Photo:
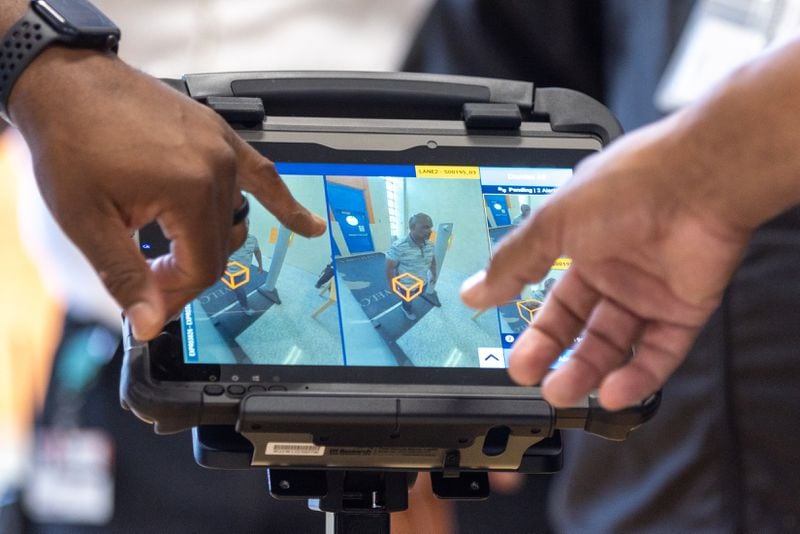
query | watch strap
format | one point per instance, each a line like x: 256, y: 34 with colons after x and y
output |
x: 18, y: 48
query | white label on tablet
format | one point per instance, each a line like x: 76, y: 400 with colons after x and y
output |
x: 295, y: 449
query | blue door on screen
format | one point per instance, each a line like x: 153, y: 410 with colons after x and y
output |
x: 350, y: 210
x: 499, y: 208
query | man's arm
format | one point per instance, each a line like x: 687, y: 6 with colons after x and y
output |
x: 115, y: 149
x: 433, y: 270
x: 655, y: 225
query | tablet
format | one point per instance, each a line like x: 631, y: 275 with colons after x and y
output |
x: 354, y: 349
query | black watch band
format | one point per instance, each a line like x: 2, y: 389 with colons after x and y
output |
x: 73, y: 23
x: 23, y: 42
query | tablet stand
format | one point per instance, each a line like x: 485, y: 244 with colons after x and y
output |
x: 359, y: 502
x: 355, y: 502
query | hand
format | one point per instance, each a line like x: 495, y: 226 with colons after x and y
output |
x: 651, y: 258
x: 114, y: 149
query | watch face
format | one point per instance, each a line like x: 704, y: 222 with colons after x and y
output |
x: 81, y: 15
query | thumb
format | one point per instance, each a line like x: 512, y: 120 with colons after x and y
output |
x: 126, y: 275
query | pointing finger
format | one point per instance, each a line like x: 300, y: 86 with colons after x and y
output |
x: 258, y: 176
x: 522, y: 258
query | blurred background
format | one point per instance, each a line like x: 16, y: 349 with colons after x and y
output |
x: 59, y: 329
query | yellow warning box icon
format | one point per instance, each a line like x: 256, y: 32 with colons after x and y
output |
x: 235, y: 275
x: 407, y: 286
x: 527, y: 308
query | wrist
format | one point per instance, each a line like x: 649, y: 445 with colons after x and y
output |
x: 58, y: 79
x: 11, y: 12
x: 45, y: 25
x: 740, y: 141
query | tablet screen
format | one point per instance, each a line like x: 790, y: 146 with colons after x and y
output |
x: 381, y: 287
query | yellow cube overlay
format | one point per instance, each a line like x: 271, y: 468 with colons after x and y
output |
x: 527, y: 309
x: 235, y: 275
x: 407, y: 286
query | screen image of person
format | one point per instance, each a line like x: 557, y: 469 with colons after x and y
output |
x: 524, y: 213
x: 405, y: 244
x: 263, y: 310
x: 411, y: 257
x: 242, y: 259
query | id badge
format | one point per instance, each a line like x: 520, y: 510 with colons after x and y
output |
x: 720, y: 36
x: 71, y: 478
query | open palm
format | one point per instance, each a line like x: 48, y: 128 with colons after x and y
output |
x: 649, y: 266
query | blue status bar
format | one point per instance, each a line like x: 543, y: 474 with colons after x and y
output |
x: 346, y: 169
x: 509, y: 177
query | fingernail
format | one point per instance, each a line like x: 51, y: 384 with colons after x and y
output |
x: 307, y: 223
x: 472, y: 287
x: 322, y: 225
x: 144, y: 320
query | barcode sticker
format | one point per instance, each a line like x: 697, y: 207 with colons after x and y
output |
x: 295, y: 449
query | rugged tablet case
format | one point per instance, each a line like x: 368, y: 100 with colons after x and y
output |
x: 463, y: 428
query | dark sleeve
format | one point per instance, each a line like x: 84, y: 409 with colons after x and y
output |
x: 549, y: 42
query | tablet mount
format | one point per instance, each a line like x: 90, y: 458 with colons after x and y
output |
x: 359, y: 502
x: 359, y: 497
x: 362, y: 501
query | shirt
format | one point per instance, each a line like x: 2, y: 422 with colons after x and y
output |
x: 244, y: 254
x: 411, y: 257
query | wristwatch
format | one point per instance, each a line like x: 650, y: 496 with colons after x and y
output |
x: 73, y: 23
